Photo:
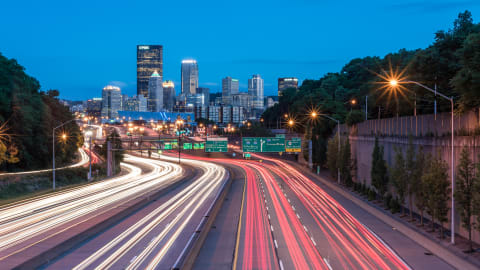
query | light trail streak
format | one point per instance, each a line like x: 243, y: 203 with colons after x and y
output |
x: 84, y: 158
x: 182, y: 207
x: 32, y: 221
x: 355, y: 245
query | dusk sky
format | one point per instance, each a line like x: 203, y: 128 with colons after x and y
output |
x: 79, y: 48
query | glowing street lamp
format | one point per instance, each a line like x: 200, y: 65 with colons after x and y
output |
x: 64, y: 137
x: 395, y: 84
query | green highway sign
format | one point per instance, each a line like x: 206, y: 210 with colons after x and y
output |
x: 216, y: 145
x: 167, y: 146
x: 197, y: 146
x: 187, y: 146
x: 251, y: 145
x: 293, y: 145
x: 280, y: 136
x: 248, y: 155
x: 263, y: 144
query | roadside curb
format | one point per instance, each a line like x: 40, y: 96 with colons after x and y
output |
x: 86, y: 233
x: 436, y: 248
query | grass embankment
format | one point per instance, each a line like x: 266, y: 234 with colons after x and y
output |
x: 18, y: 187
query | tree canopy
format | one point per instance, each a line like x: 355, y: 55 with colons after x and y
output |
x: 30, y: 115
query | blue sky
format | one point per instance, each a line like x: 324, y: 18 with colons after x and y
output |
x: 80, y: 47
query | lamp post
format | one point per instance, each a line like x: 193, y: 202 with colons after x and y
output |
x: 89, y: 134
x: 394, y: 84
x: 64, y: 136
x: 179, y: 123
x: 314, y: 115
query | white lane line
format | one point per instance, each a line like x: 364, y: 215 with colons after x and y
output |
x: 328, y: 264
x: 276, y: 245
x: 268, y: 216
x: 288, y: 199
x: 281, y: 265
x: 271, y: 227
x: 298, y: 216
x: 293, y: 207
x: 265, y: 201
x: 305, y: 228
x: 267, y: 208
x: 313, y: 241
x: 133, y: 259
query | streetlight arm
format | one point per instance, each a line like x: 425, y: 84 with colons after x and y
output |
x: 430, y: 89
x: 331, y: 118
x: 64, y: 123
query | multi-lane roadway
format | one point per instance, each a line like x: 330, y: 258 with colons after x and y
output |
x: 285, y: 220
x: 29, y: 227
x: 157, y: 236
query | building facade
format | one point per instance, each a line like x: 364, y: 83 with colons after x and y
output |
x: 255, y: 89
x: 94, y: 107
x: 137, y: 103
x: 230, y: 87
x: 149, y: 59
x: 189, y: 76
x: 111, y: 101
x: 168, y: 95
x: 206, y: 95
x: 155, y: 93
x: 285, y: 83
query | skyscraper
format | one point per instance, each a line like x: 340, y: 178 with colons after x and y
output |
x: 229, y: 87
x: 255, y: 89
x: 111, y: 101
x: 149, y: 59
x: 189, y: 76
x: 155, y: 93
x: 206, y: 95
x: 168, y: 95
x: 285, y: 83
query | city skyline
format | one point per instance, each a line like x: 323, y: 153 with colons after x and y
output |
x: 314, y: 41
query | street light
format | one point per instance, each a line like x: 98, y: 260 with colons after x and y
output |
x: 395, y: 83
x: 64, y: 137
x: 89, y: 135
x: 179, y: 123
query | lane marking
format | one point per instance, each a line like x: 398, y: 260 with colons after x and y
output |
x: 271, y: 227
x: 313, y: 241
x: 293, y: 207
x: 328, y: 264
x: 276, y: 245
x: 281, y: 265
x: 305, y: 228
x: 298, y: 216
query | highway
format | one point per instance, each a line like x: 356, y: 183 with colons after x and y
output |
x: 157, y: 236
x: 29, y: 225
x: 287, y: 221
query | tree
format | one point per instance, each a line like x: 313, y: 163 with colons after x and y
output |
x: 399, y: 177
x: 437, y: 191
x: 8, y: 154
x: 379, y: 169
x: 116, y: 144
x: 332, y: 156
x: 32, y: 115
x: 354, y: 117
x: 465, y: 187
x: 411, y: 176
x: 345, y: 163
x: 467, y: 80
x: 419, y: 187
